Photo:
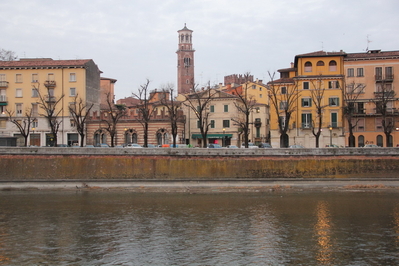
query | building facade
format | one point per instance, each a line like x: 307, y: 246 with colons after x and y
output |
x: 24, y: 82
x: 371, y: 77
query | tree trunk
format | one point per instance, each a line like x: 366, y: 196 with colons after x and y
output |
x: 284, y: 140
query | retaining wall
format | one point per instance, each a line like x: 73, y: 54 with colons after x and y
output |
x: 202, y: 164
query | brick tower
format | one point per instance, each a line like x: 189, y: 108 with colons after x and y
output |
x: 185, y: 61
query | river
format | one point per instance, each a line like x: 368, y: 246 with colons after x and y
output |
x: 125, y: 228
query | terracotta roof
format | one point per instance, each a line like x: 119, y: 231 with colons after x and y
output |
x: 321, y: 53
x: 44, y: 62
x: 372, y: 54
x: 185, y: 28
x: 283, y: 80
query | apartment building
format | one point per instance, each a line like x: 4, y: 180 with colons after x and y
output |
x: 24, y: 82
x: 370, y: 76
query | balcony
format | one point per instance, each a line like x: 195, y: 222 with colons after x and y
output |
x: 49, y: 99
x: 384, y: 94
x: 3, y: 84
x: 257, y: 124
x: 49, y: 84
x: 387, y: 77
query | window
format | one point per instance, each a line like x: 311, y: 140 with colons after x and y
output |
x: 254, y: 87
x: 50, y: 77
x: 187, y: 62
x: 18, y: 108
x: 333, y: 101
x: 212, y: 123
x: 334, y: 120
x: 283, y: 90
x: 18, y: 93
x: 388, y: 73
x: 359, y: 72
x: 281, y: 120
x: 359, y: 122
x: 351, y: 72
x: 320, y: 63
x: 226, y: 123
x: 260, y: 95
x: 212, y: 109
x: 198, y: 109
x: 306, y: 120
x: 198, y: 124
x: 308, y: 67
x: 35, y: 109
x: 332, y: 66
x: 306, y: 102
x: 2, y: 77
x: 18, y: 78
x: 333, y: 84
x: 72, y: 77
x: 226, y: 108
x: 283, y: 105
x: 378, y: 124
x: 72, y: 92
x: 378, y: 73
x: 306, y: 85
x: 35, y: 78
x: 35, y: 124
x: 35, y: 93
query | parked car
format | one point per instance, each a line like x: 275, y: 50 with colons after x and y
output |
x: 89, y: 146
x: 371, y: 146
x: 151, y: 146
x: 296, y: 146
x: 133, y: 145
x: 214, y: 146
x: 62, y: 145
x: 250, y: 146
x: 232, y: 147
x: 265, y: 145
x: 103, y: 145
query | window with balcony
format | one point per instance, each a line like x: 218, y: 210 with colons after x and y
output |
x: 308, y: 67
x: 306, y: 120
x: 378, y: 73
x: 388, y: 72
x: 360, y: 72
x: 306, y: 102
x: 332, y: 66
x: 350, y: 72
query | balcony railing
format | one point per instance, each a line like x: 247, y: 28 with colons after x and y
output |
x: 49, y: 99
x: 50, y: 84
x: 384, y: 94
x: 388, y: 77
x: 3, y: 84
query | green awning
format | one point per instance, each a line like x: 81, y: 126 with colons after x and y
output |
x: 3, y: 103
x: 212, y: 136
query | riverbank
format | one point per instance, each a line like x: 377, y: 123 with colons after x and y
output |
x: 209, y: 186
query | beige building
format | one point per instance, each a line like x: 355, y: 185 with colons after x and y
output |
x: 22, y: 81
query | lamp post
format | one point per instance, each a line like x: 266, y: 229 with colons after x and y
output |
x: 330, y: 128
x: 224, y: 140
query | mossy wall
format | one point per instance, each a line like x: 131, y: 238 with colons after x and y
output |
x: 55, y: 167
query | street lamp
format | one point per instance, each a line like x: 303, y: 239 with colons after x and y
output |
x: 224, y: 140
x: 330, y: 128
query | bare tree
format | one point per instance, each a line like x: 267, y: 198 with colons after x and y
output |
x: 245, y: 105
x: 173, y: 107
x: 284, y: 102
x: 145, y: 108
x: 7, y: 55
x: 198, y: 102
x: 49, y: 104
x: 383, y: 100
x: 317, y: 94
x: 80, y: 113
x: 114, y: 113
x: 351, y: 93
x: 23, y: 124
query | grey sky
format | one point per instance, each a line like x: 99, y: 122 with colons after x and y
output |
x: 135, y: 40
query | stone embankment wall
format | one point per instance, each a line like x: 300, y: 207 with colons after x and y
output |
x: 198, y: 164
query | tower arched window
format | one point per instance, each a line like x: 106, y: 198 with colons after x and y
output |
x: 308, y: 66
x: 187, y: 62
x: 182, y: 38
x: 332, y: 65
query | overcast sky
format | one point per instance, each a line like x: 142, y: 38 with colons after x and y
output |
x: 134, y: 40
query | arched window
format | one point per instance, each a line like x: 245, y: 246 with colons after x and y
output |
x: 320, y: 63
x: 99, y: 137
x: 130, y: 136
x: 162, y: 136
x: 360, y: 141
x: 332, y: 65
x: 308, y: 67
x: 380, y: 140
x: 390, y: 144
x: 182, y: 38
x: 187, y: 62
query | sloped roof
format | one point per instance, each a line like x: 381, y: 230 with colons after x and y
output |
x: 44, y: 62
x: 321, y: 53
x: 185, y: 28
x: 372, y: 54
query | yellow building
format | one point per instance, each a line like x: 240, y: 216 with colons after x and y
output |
x: 311, y: 89
x: 373, y: 70
x: 21, y: 84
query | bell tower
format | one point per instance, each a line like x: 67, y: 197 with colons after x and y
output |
x: 185, y: 61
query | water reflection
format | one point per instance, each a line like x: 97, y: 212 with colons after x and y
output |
x: 122, y: 228
x: 323, y: 228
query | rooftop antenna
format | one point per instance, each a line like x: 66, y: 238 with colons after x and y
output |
x: 368, y: 42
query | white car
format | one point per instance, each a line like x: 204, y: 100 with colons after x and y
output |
x: 133, y: 145
x: 250, y: 146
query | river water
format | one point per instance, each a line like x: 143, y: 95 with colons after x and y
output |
x: 125, y: 228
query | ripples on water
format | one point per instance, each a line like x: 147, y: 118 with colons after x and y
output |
x: 122, y: 228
